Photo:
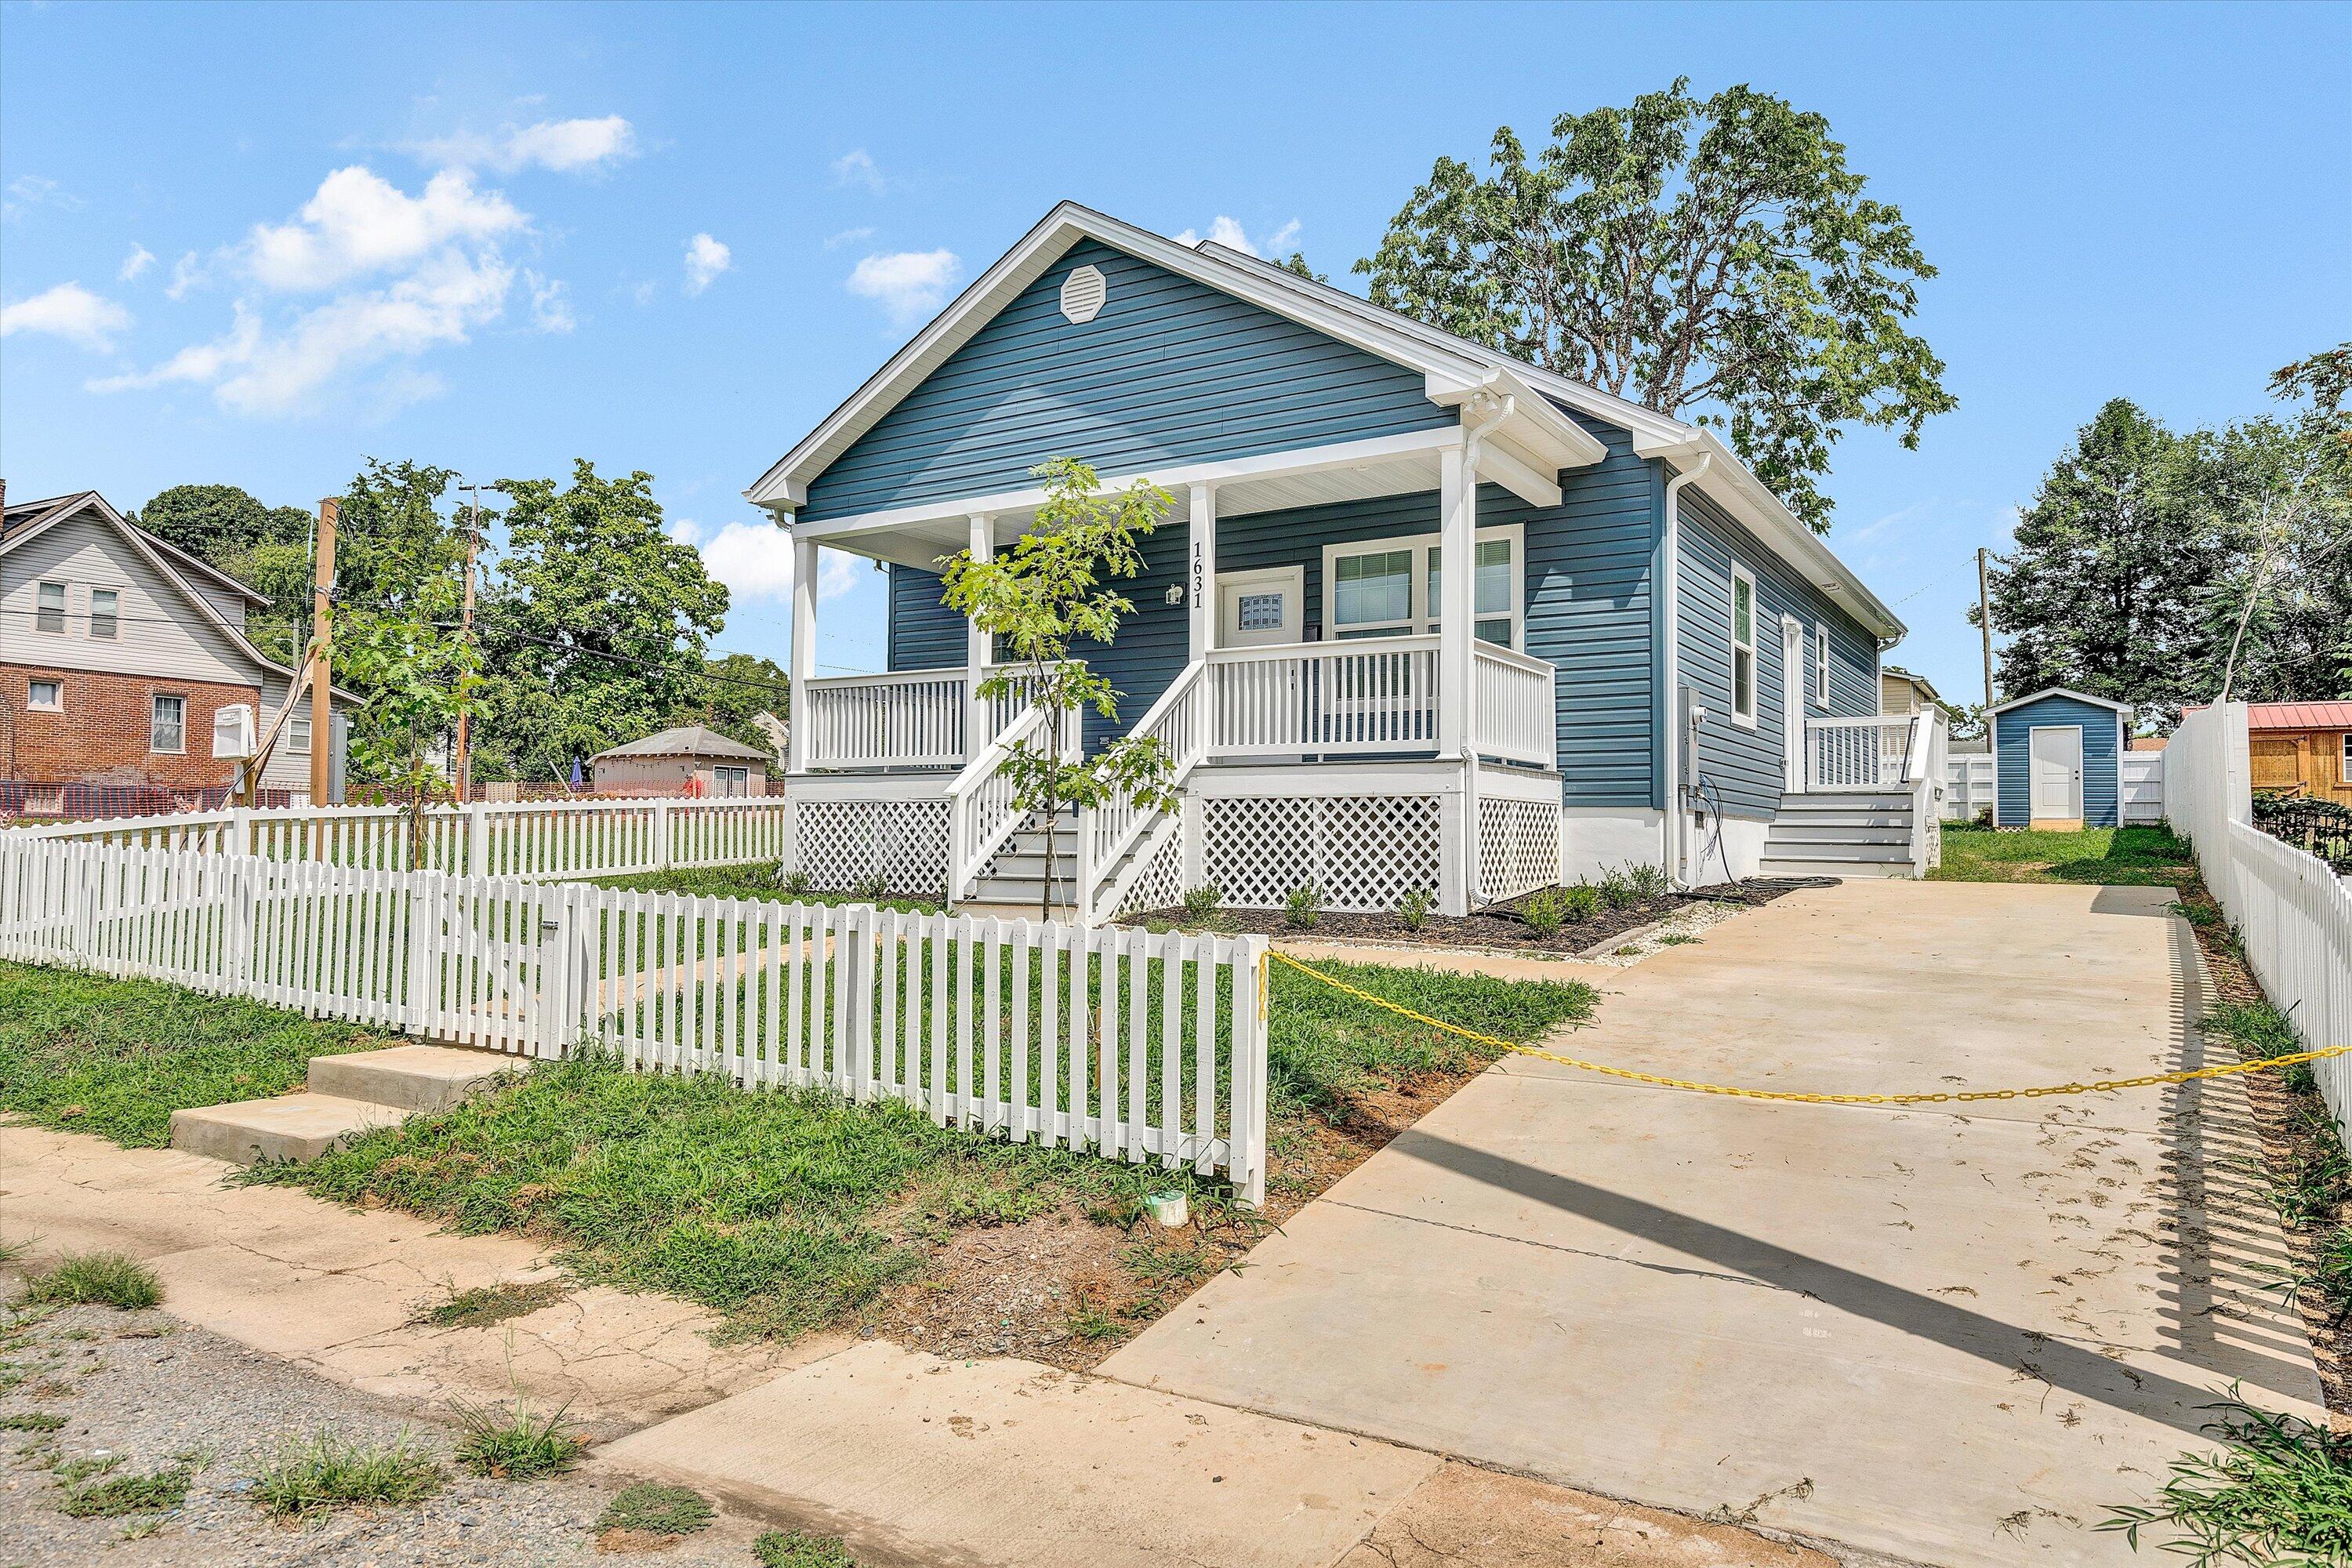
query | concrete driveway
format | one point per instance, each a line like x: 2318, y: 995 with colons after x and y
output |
x: 1955, y: 1335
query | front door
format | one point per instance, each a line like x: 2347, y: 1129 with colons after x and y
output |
x: 1792, y: 704
x: 2056, y: 756
x: 1255, y: 608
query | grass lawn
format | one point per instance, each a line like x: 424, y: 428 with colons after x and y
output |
x: 116, y: 1057
x: 755, y: 881
x: 2137, y: 856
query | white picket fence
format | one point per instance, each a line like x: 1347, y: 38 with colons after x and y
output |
x: 1141, y: 1048
x: 548, y: 840
x: 2292, y: 911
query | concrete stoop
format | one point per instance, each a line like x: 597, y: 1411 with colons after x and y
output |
x: 346, y: 1095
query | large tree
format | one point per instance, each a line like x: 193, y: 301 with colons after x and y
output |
x: 594, y: 627
x: 1717, y: 260
x: 2101, y: 590
x: 737, y: 688
x: 266, y: 547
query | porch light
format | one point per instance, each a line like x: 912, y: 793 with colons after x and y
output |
x: 1174, y: 595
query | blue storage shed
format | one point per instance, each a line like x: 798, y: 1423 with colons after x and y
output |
x: 2056, y: 756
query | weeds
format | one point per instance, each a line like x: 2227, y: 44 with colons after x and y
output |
x: 488, y: 1306
x: 655, y: 1510
x: 32, y: 1421
x: 781, y: 1549
x: 159, y: 1493
x: 311, y: 1475
x: 96, y: 1280
x: 2280, y: 1493
x: 513, y: 1445
x: 796, y: 883
x: 874, y: 889
x: 1302, y: 907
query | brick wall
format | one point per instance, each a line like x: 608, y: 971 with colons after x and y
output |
x: 102, y: 736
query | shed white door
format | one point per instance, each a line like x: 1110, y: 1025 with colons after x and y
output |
x: 2057, y: 778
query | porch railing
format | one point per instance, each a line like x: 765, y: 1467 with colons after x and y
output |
x: 912, y: 718
x: 1870, y: 752
x: 1511, y: 709
x: 1372, y: 695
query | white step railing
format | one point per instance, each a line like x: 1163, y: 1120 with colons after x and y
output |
x: 1872, y: 751
x: 981, y: 811
x: 911, y: 719
x: 1179, y: 721
x: 1512, y: 713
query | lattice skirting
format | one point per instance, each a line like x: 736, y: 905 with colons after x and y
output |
x: 1162, y: 881
x: 844, y: 843
x: 1362, y: 852
x: 1519, y: 847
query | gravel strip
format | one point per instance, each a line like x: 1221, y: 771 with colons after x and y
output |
x: 152, y: 1392
x: 1685, y: 925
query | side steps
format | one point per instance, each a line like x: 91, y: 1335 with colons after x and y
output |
x: 346, y: 1096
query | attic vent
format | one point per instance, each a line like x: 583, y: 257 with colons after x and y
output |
x: 1083, y: 292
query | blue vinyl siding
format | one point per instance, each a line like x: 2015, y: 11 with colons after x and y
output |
x: 2013, y: 758
x: 1744, y: 765
x: 924, y: 633
x: 1171, y: 371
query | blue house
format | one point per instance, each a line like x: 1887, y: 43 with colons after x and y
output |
x: 1422, y: 616
x: 2056, y: 760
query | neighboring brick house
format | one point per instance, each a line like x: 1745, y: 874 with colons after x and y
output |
x: 116, y: 652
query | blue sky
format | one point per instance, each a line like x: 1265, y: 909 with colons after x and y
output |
x: 254, y: 244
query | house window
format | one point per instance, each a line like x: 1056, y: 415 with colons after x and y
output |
x: 2345, y: 776
x: 730, y: 782
x: 1743, y: 648
x: 1393, y: 587
x: 46, y: 695
x: 102, y: 617
x: 297, y: 734
x: 1821, y: 666
x: 49, y: 608
x: 1258, y: 612
x: 168, y: 730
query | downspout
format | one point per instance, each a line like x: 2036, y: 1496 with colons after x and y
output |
x: 1672, y: 588
x: 1471, y: 436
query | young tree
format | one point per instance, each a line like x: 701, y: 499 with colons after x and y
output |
x: 1713, y: 260
x: 594, y: 627
x: 398, y: 585
x: 1037, y: 598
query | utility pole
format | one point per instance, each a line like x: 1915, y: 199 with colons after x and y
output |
x: 1984, y: 620
x: 322, y: 621
x: 464, y: 770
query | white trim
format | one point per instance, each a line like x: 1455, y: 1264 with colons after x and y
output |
x: 41, y: 587
x: 2344, y: 771
x: 1739, y: 575
x: 55, y: 683
x: 1422, y: 617
x: 2082, y: 774
x: 1819, y: 678
x: 2058, y: 691
x: 182, y: 749
x: 1291, y: 577
x: 1792, y: 704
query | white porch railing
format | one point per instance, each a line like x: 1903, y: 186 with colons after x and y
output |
x: 912, y: 718
x: 1511, y: 708
x: 1872, y: 751
x: 1180, y: 723
x: 1375, y: 694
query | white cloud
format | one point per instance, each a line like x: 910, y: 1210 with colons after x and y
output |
x: 26, y: 191
x: 858, y: 168
x: 645, y: 292
x: 847, y: 236
x: 561, y: 144
x: 69, y: 311
x: 1228, y: 232
x: 358, y: 222
x: 186, y: 273
x: 908, y: 284
x: 550, y: 303
x: 705, y: 258
x: 140, y: 259
x: 755, y: 559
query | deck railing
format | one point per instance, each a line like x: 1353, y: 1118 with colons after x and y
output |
x: 1371, y: 694
x: 1869, y: 753
x: 1511, y: 709
x: 912, y: 718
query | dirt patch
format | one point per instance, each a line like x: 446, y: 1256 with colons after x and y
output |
x: 1499, y: 926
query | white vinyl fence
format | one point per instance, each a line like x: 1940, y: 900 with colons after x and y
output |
x: 1140, y: 1048
x: 2292, y: 911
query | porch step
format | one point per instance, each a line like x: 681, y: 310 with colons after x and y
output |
x: 347, y: 1094
x: 1775, y: 867
x: 1813, y: 830
x: 1780, y: 849
x: 409, y: 1077
x: 1874, y: 800
x: 1865, y: 832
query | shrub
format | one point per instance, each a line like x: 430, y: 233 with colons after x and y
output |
x: 1413, y: 909
x: 515, y: 1445
x: 159, y: 1493
x: 796, y: 882
x: 779, y: 1549
x: 1303, y: 907
x: 311, y: 1475
x: 1203, y: 901
x: 873, y: 889
x: 1542, y: 911
x: 656, y: 1509
x: 1616, y: 888
x: 1648, y: 879
x: 96, y: 1280
x: 1580, y: 902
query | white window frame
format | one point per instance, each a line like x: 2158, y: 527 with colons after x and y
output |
x: 721, y: 776
x: 297, y: 734
x: 33, y: 704
x: 1426, y: 548
x: 1744, y: 718
x: 41, y: 611
x: 2344, y: 772
x: 154, y: 716
x: 1821, y: 664
x: 112, y: 616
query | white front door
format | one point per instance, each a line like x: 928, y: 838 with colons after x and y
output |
x: 1792, y: 704
x: 1255, y: 608
x: 2056, y: 756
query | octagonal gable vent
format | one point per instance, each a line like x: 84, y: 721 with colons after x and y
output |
x: 1083, y: 293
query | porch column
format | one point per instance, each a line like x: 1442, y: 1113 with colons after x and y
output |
x: 1458, y: 516
x: 977, y: 730
x: 803, y: 654
x: 1204, y: 585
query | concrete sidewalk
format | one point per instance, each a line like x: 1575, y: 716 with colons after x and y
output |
x: 1954, y: 1334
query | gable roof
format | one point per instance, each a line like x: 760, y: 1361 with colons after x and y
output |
x: 1921, y: 681
x: 685, y: 741
x: 1456, y: 371
x: 2123, y: 708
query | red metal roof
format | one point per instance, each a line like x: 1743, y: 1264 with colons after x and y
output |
x: 2299, y: 715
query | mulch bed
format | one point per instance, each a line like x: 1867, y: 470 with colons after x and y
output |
x: 1498, y: 926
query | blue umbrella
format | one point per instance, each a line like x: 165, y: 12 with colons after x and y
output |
x: 575, y: 772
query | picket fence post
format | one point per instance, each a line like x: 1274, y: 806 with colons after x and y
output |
x: 422, y: 917
x: 661, y: 835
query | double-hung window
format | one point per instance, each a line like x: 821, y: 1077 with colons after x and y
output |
x: 168, y: 730
x: 1743, y: 648
x: 1820, y: 665
x: 44, y: 696
x: 298, y: 735
x: 49, y: 608
x: 2345, y: 776
x: 1394, y: 587
x: 104, y: 618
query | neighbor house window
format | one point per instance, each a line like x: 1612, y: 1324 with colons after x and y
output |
x: 102, y: 617
x: 168, y: 730
x: 1394, y: 587
x: 2345, y: 776
x: 49, y: 608
x: 1743, y: 648
x: 297, y: 734
x: 46, y: 695
x: 1821, y: 667
x: 730, y: 781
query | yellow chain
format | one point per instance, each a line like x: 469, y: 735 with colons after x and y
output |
x: 1939, y: 1097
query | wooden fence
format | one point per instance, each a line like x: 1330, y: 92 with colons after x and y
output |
x: 1141, y: 1048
